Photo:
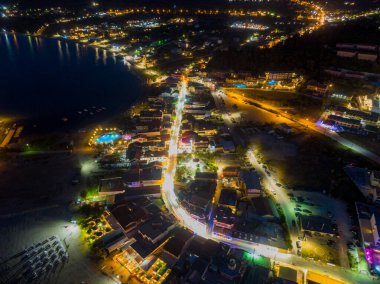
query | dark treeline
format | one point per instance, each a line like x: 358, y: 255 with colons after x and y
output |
x: 308, y: 54
x: 202, y: 4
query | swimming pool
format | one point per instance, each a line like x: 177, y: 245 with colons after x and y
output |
x: 242, y: 86
x: 107, y: 138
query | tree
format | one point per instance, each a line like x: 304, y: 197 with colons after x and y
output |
x: 241, y: 152
x: 181, y: 173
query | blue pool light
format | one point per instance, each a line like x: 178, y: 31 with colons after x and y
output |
x: 241, y: 86
x: 107, y: 138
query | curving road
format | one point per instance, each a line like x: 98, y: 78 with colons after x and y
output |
x: 184, y: 218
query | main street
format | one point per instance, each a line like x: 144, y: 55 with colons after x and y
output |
x: 184, y: 218
x: 168, y: 193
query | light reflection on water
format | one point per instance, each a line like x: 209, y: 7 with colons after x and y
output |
x: 40, y: 76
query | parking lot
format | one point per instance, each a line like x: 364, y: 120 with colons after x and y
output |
x: 327, y: 249
x: 21, y: 233
x: 40, y: 260
x: 320, y: 248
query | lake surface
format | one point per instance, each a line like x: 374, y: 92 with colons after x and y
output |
x: 56, y: 81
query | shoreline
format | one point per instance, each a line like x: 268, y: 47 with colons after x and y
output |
x: 78, y: 133
x: 59, y: 125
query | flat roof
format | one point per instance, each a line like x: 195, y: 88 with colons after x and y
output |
x: 203, y: 188
x: 224, y: 215
x: 139, y: 192
x: 109, y: 185
x: 143, y: 247
x: 112, y: 237
x: 151, y: 174
x: 251, y: 179
x: 206, y: 175
x: 128, y: 213
x: 365, y: 213
x: 204, y: 248
x: 231, y: 169
x: 343, y: 119
x: 360, y: 176
x: 147, y: 113
x: 154, y: 227
x: 176, y: 243
x: 227, y: 144
x: 228, y: 197
x: 262, y: 206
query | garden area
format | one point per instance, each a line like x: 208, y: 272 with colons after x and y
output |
x: 189, y: 164
x: 93, y: 223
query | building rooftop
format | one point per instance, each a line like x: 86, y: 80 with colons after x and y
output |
x: 227, y: 145
x: 230, y: 268
x: 153, y: 154
x: 111, y: 186
x: 229, y: 171
x: 199, y: 201
x: 365, y: 213
x: 204, y: 248
x: 206, y: 175
x: 376, y: 174
x: 251, y: 179
x: 228, y: 197
x: 128, y: 214
x: 112, y: 238
x: 374, y: 117
x: 314, y: 83
x: 203, y: 188
x: 176, y: 243
x: 360, y: 176
x: 343, y: 119
x: 262, y: 206
x: 153, y: 209
x: 147, y: 113
x: 151, y: 174
x: 224, y: 216
x: 144, y: 247
x: 153, y: 228
x: 196, y: 270
x: 132, y: 175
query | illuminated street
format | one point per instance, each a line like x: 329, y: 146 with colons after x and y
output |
x: 168, y: 193
x: 190, y: 141
x: 186, y: 220
x: 310, y: 125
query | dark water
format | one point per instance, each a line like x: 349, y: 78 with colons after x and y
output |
x: 53, y: 82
